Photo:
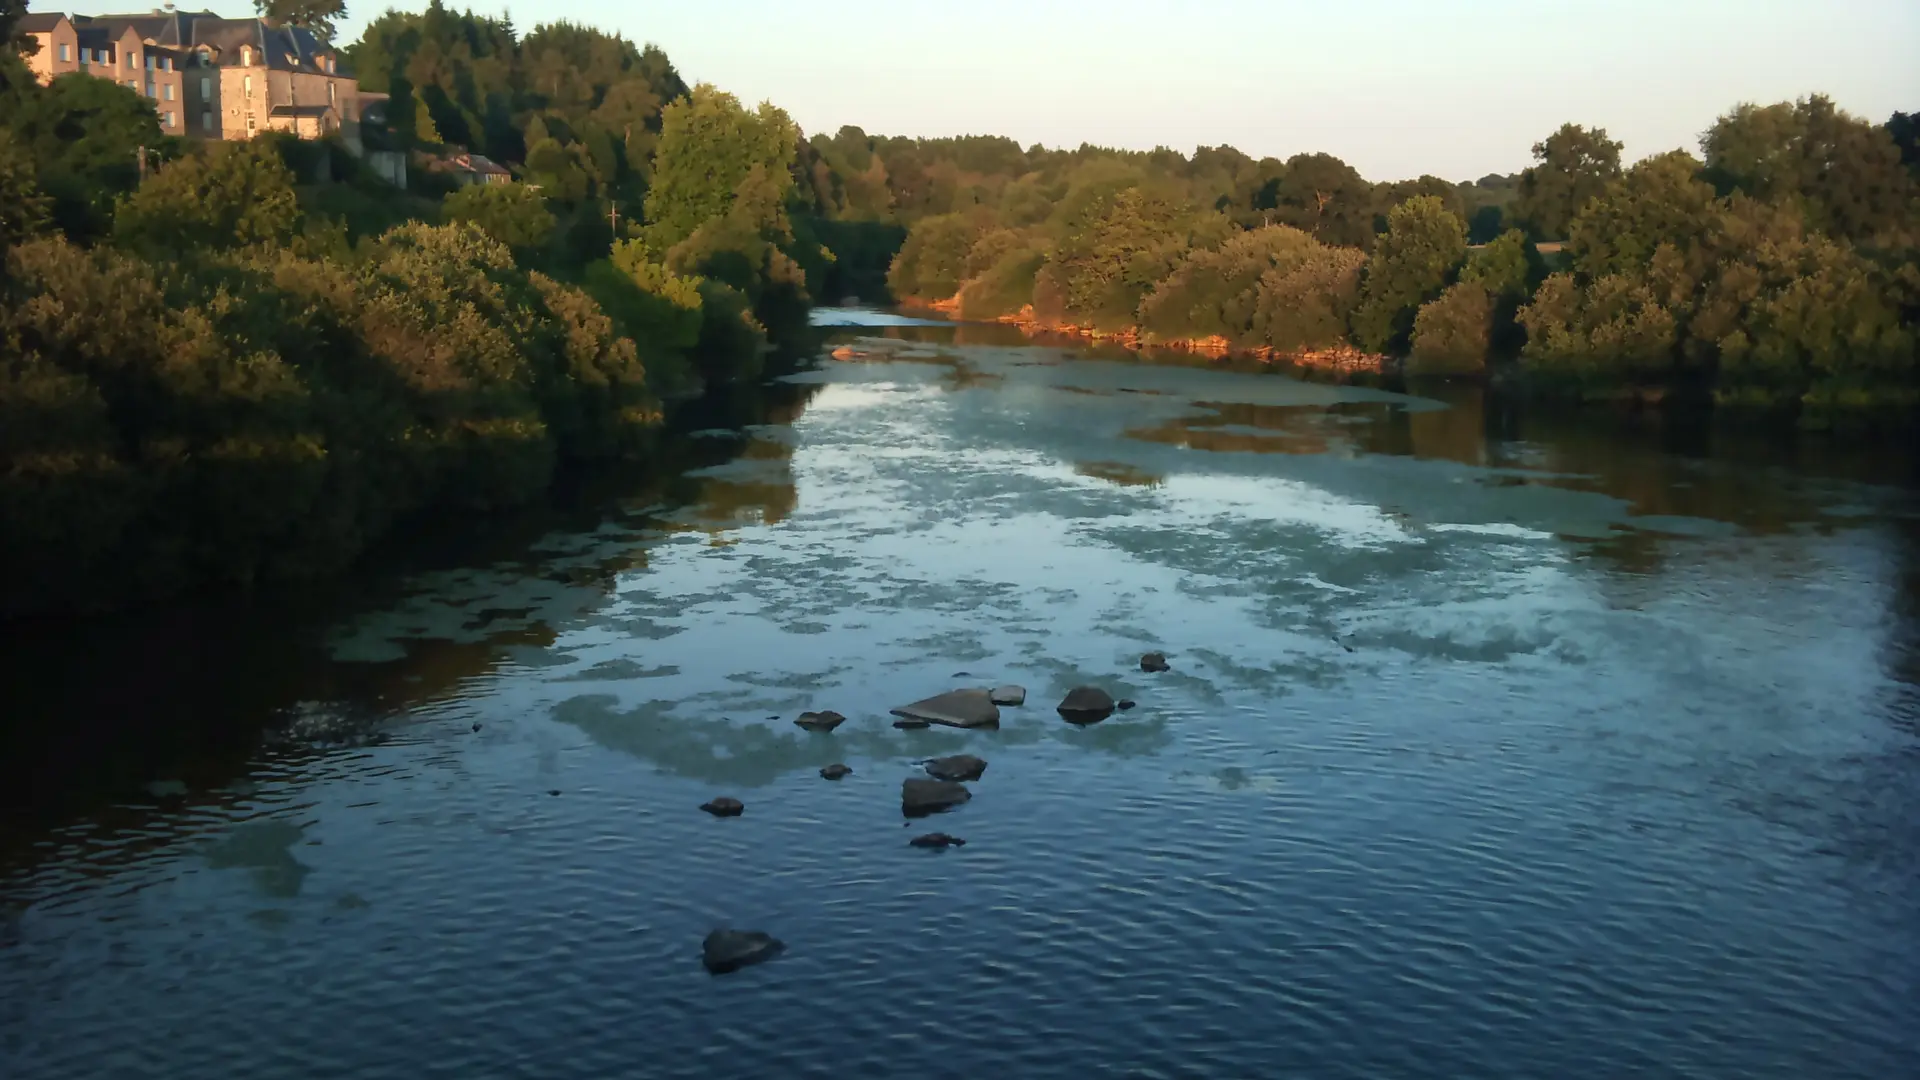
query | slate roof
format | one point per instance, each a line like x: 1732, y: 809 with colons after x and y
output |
x: 281, y: 48
x: 39, y: 22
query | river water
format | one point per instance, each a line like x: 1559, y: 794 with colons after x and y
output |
x: 1493, y: 745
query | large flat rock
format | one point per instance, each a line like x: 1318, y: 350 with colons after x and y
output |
x: 955, y: 708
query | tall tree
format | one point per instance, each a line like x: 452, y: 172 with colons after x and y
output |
x: 709, y: 144
x: 1423, y: 246
x: 320, y: 16
x: 1845, y: 173
x: 1572, y: 166
x: 1327, y: 197
x: 1905, y: 130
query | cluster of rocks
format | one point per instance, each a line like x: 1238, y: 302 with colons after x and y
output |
x: 942, y: 789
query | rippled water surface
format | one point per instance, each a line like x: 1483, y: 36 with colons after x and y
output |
x: 1491, y: 748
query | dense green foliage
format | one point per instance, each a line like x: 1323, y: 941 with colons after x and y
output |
x: 1779, y: 271
x: 1572, y: 166
x: 253, y: 412
x: 1423, y: 247
x: 235, y: 195
x: 514, y: 214
x: 260, y: 358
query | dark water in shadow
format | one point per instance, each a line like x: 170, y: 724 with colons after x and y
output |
x: 1496, y: 744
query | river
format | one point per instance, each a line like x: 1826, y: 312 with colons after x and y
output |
x: 1495, y: 744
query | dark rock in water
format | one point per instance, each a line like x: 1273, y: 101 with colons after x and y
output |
x: 1008, y: 695
x: 476, y: 727
x: 554, y: 791
x: 825, y: 720
x: 920, y: 797
x: 955, y: 708
x: 937, y: 840
x: 1086, y: 705
x: 1155, y: 661
x: 835, y: 772
x: 1125, y: 703
x: 957, y: 767
x: 963, y: 674
x: 905, y: 724
x: 731, y: 950
x: 723, y: 807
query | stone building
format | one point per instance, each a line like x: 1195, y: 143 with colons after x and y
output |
x: 208, y: 77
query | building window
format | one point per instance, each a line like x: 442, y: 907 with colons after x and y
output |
x: 249, y: 127
x: 166, y: 118
x: 66, y: 52
x: 206, y: 120
x: 246, y: 85
x: 331, y: 102
x: 246, y: 56
x: 166, y: 92
x: 206, y: 88
x: 150, y: 92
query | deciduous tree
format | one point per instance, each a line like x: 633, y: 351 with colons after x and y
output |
x: 1573, y: 165
x: 1423, y: 247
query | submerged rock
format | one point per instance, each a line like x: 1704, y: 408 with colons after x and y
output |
x: 731, y: 950
x: 835, y: 772
x: 955, y: 708
x: 724, y: 807
x: 921, y: 797
x: 937, y: 840
x: 1086, y: 705
x: 825, y: 720
x: 1155, y: 661
x: 1125, y: 703
x: 957, y: 767
x: 1008, y: 695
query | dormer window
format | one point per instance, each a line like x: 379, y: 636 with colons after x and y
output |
x: 246, y: 56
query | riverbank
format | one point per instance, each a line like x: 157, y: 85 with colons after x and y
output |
x: 1344, y: 359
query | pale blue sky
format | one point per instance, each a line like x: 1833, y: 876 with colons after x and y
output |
x: 1395, y: 87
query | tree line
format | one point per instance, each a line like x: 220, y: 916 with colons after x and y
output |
x: 1775, y: 269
